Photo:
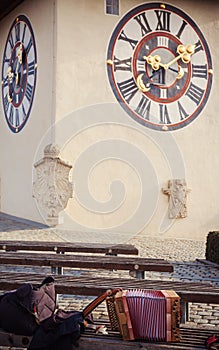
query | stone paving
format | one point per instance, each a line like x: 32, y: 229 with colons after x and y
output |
x: 182, y: 253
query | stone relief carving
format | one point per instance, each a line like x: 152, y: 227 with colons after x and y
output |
x: 177, y: 192
x: 52, y: 188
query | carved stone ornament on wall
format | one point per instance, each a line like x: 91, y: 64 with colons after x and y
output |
x: 52, y: 188
x: 177, y: 192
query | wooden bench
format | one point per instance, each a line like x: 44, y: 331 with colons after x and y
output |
x: 110, y: 262
x: 67, y: 247
x: 191, y: 339
x: 195, y: 292
x: 87, y: 286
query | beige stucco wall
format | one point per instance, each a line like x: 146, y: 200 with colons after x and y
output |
x: 119, y: 166
x: 18, y: 150
x: 83, y: 91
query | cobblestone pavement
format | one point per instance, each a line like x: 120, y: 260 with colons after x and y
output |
x: 182, y: 253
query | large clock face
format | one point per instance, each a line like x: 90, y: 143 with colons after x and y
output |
x: 19, y: 73
x: 159, y: 66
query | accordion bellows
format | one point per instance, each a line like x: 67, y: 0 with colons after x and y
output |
x: 145, y: 314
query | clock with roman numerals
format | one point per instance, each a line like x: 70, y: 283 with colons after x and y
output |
x: 19, y: 73
x: 159, y: 66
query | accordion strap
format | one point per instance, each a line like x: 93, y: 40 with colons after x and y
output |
x: 90, y: 307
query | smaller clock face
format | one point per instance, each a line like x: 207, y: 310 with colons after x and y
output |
x: 19, y: 72
x: 159, y: 66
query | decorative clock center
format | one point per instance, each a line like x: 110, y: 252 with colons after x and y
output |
x: 161, y: 66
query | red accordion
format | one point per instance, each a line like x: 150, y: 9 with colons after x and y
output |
x: 152, y: 315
